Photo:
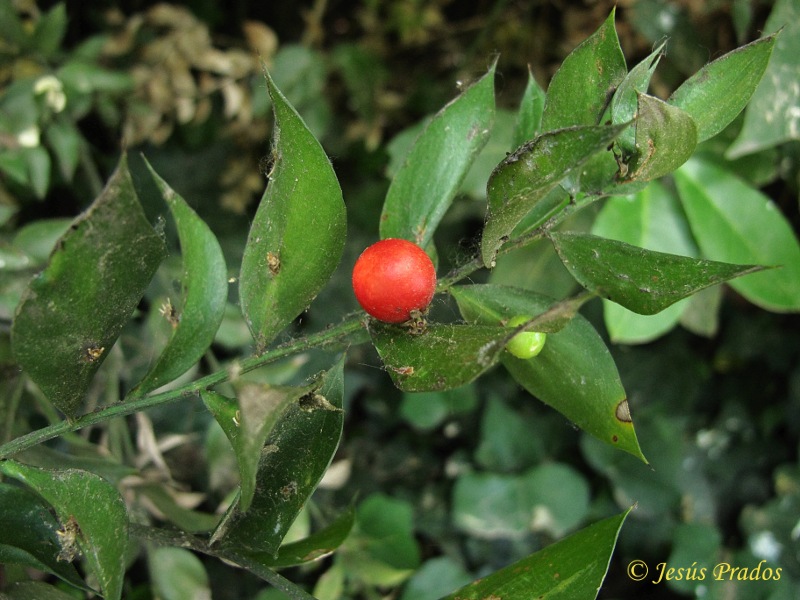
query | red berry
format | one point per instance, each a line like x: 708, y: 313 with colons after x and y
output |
x: 392, y: 278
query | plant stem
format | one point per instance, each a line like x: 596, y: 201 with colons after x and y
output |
x: 131, y: 405
x: 183, y: 540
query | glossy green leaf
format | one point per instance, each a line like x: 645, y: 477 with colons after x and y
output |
x: 652, y: 219
x: 552, y: 498
x: 297, y: 236
x: 575, y: 374
x: 643, y: 281
x: 248, y: 422
x: 28, y: 535
x: 424, y: 186
x: 496, y: 149
x: 526, y: 177
x: 571, y: 568
x: 315, y: 546
x: 297, y: 454
x: 772, y: 116
x: 529, y: 115
x: 582, y: 87
x: 74, y: 310
x: 718, y: 92
x: 626, y: 99
x: 205, y: 291
x: 90, y: 508
x: 734, y: 222
x: 666, y: 137
x: 443, y: 357
x: 177, y: 574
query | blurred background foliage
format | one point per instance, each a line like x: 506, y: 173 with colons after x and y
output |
x: 448, y: 486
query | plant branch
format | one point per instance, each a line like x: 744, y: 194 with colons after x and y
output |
x: 132, y: 404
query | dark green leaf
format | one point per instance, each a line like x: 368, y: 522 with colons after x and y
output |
x: 443, y: 357
x: 571, y: 568
x: 50, y: 30
x: 315, y: 546
x: 91, y: 510
x: 296, y: 456
x: 575, y: 374
x: 525, y: 177
x: 652, y: 219
x: 719, y: 91
x: 582, y: 87
x: 28, y: 535
x: 297, y: 236
x: 73, y: 311
x: 205, y: 291
x: 734, y: 222
x: 529, y: 116
x: 248, y: 422
x: 666, y: 137
x: 424, y: 186
x: 626, y: 98
x: 643, y: 281
x: 771, y: 117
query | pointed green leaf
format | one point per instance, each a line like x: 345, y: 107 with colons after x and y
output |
x: 91, y: 510
x: 529, y: 116
x: 666, y: 137
x: 38, y: 163
x: 297, y: 454
x: 424, y: 186
x: 297, y: 237
x: 443, y: 357
x: 574, y: 373
x: 582, y: 87
x: 652, y: 219
x: 718, y: 92
x: 626, y: 98
x: 205, y: 291
x: 315, y: 546
x: 28, y: 535
x: 772, y: 116
x: 574, y: 567
x: 643, y: 281
x: 74, y: 310
x: 734, y: 222
x: 248, y: 422
x: 527, y: 175
x: 11, y: 27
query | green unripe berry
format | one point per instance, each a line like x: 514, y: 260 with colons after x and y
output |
x: 526, y: 344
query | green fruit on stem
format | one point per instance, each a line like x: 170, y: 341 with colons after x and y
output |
x: 526, y: 344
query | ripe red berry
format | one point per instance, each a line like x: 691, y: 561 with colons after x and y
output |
x: 392, y: 278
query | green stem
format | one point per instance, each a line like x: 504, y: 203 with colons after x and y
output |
x: 183, y: 540
x: 131, y: 405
